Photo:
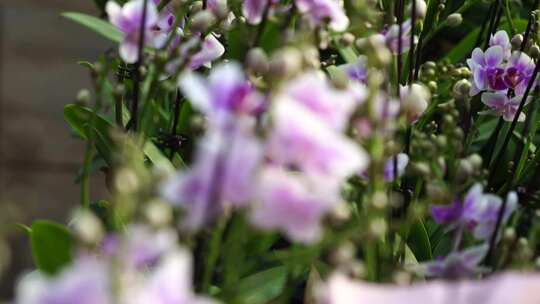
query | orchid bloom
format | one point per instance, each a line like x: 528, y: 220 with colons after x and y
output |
x: 504, y: 288
x: 518, y: 72
x: 456, y: 265
x: 318, y: 11
x: 402, y: 162
x: 86, y: 281
x: 128, y: 20
x: 487, y: 69
x: 500, y: 105
x: 168, y: 283
x: 391, y: 37
x: 293, y: 203
x: 478, y: 213
x: 225, y: 93
x: 501, y: 39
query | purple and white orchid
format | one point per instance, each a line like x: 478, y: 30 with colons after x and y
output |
x: 478, y: 213
x: 500, y: 105
x: 128, y: 19
x: 318, y: 11
x: 457, y: 265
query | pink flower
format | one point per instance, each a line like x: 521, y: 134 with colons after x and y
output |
x: 303, y: 141
x: 292, y: 203
x: 318, y: 11
x: 128, y: 20
x: 507, y: 288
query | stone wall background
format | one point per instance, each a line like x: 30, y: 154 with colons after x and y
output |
x: 39, y: 159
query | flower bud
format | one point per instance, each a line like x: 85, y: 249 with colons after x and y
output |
x: 534, y: 51
x: 461, y: 88
x: 421, y: 9
x: 347, y: 39
x: 158, y: 213
x: 345, y: 253
x: 221, y: 11
x: 516, y: 41
x: 378, y: 227
x: 509, y: 234
x: 84, y: 96
x: 475, y: 160
x: 286, y: 62
x: 454, y: 19
x: 257, y: 61
x: 415, y: 101
x: 87, y: 227
x: 202, y: 21
x: 195, y: 7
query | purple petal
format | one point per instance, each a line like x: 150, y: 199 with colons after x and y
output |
x: 254, y: 9
x: 493, y: 56
x: 496, y: 101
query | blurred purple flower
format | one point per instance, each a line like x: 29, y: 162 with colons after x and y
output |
x: 504, y: 288
x: 319, y: 11
x: 356, y: 71
x: 211, y: 49
x: 478, y: 213
x: 391, y: 37
x: 402, y: 161
x: 303, y: 141
x: 223, y: 175
x: 500, y: 105
x: 226, y: 93
x: 456, y: 265
x: 169, y: 283
x: 314, y: 93
x: 487, y: 69
x: 84, y: 282
x: 128, y: 20
x: 253, y: 10
x: 293, y: 204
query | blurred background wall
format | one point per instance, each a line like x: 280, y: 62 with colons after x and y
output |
x: 39, y: 159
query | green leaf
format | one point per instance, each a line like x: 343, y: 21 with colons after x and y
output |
x: 271, y: 37
x: 157, y: 158
x: 418, y: 241
x: 262, y: 286
x: 97, y: 25
x: 78, y: 117
x: 52, y: 246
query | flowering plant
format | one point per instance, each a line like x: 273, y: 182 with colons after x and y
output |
x: 303, y: 151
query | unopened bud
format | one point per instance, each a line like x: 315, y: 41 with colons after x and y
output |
x: 84, y: 96
x: 202, y: 21
x: 509, y: 234
x: 286, y: 62
x: 378, y: 227
x: 88, y: 227
x: 196, y: 7
x: 534, y: 51
x: 454, y: 19
x: 421, y: 9
x: 347, y: 39
x: 461, y: 88
x: 476, y: 161
x: 343, y: 254
x: 257, y: 61
x: 220, y: 9
x: 158, y: 213
x: 516, y: 41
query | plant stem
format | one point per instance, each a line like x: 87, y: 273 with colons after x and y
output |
x: 508, y: 16
x: 500, y: 155
x: 213, y: 253
x: 137, y: 71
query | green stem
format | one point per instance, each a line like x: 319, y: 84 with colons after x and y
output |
x: 508, y: 16
x: 213, y: 253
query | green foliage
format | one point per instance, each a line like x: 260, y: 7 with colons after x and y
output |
x: 52, y: 246
x: 97, y: 25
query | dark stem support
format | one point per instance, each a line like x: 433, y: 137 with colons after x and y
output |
x: 412, y: 46
x: 399, y: 17
x: 500, y: 155
x: 487, y: 18
x: 137, y: 71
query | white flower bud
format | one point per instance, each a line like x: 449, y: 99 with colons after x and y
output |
x: 87, y: 227
x: 421, y: 9
x: 158, y: 213
x: 202, y: 21
x: 257, y: 61
x: 415, y: 100
x: 454, y: 19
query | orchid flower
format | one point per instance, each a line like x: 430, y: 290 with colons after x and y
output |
x: 500, y: 105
